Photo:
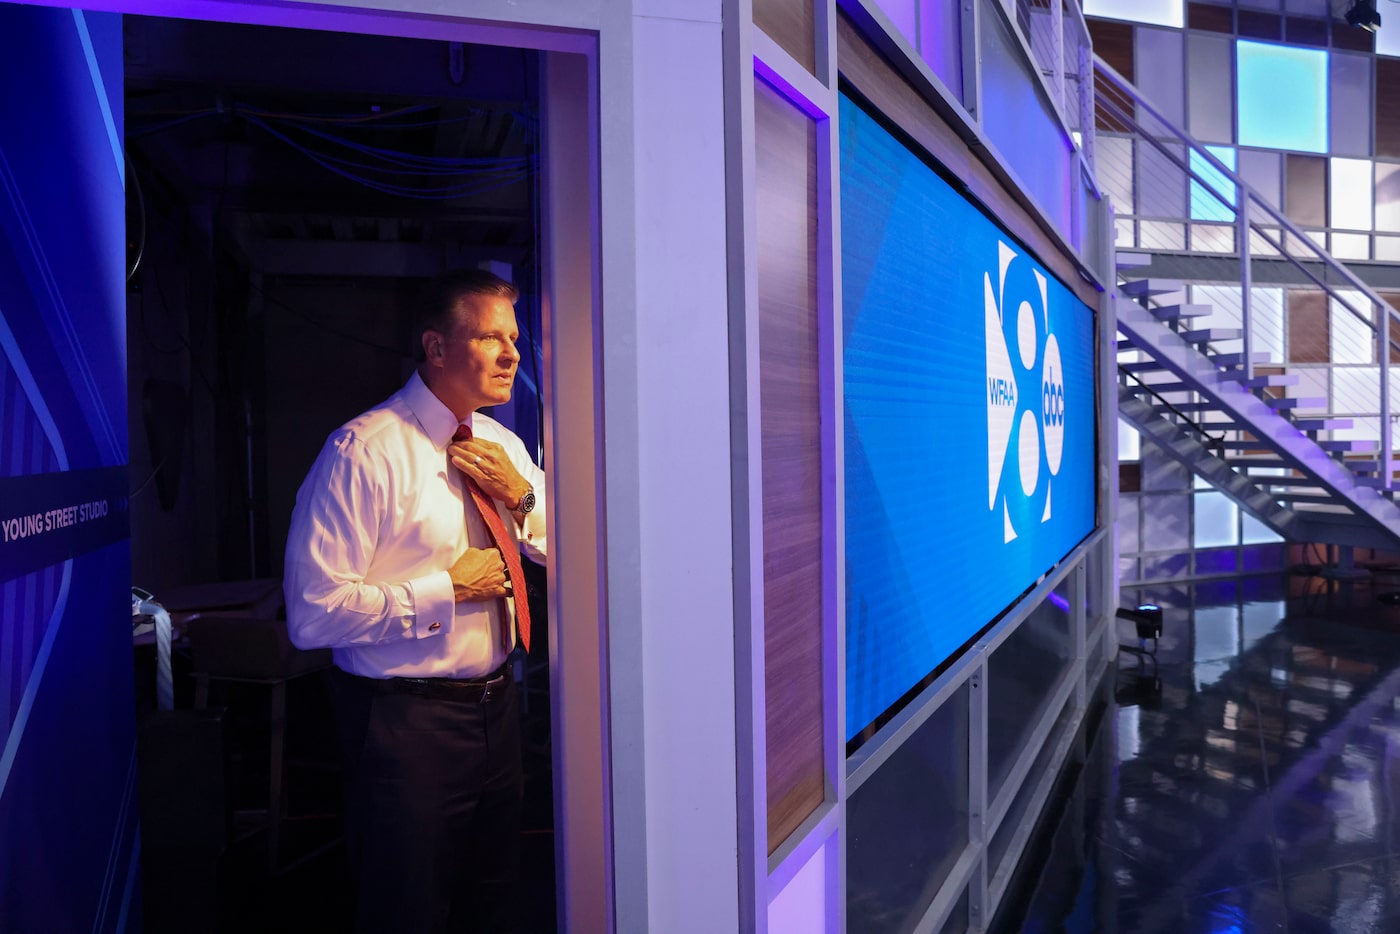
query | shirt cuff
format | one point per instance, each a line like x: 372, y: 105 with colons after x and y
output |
x: 432, y: 605
x: 530, y: 527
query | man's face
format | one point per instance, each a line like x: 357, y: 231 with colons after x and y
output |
x: 478, y: 354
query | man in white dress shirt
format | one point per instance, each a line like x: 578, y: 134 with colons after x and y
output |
x: 390, y: 564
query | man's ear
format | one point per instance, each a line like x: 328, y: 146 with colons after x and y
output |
x: 432, y: 347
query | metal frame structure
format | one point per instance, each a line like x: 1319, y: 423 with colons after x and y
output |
x: 1086, y: 576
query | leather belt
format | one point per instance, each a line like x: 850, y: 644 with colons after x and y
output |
x: 459, y: 690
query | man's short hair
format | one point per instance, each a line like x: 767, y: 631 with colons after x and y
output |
x: 434, y: 309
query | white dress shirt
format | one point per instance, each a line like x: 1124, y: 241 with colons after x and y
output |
x: 378, y: 521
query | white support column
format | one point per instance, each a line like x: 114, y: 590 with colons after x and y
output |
x: 666, y: 419
x: 573, y: 433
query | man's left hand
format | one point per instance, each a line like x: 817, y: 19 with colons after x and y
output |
x: 486, y: 463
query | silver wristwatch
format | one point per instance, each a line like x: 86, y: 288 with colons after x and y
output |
x: 526, y: 504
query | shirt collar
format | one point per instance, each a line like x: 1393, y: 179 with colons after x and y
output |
x: 438, y: 422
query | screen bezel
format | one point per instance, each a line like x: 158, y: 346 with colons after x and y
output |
x: 868, y: 732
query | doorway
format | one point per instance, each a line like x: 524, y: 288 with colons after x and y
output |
x: 528, y: 101
x: 289, y: 191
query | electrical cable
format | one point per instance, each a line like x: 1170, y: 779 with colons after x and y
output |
x: 426, y: 194
x: 477, y: 174
x: 347, y: 119
x: 147, y: 482
x: 412, y: 159
x: 141, y: 206
x: 134, y: 131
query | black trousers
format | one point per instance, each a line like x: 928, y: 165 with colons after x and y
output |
x: 433, y: 802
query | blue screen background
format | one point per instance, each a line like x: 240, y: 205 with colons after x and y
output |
x: 928, y: 560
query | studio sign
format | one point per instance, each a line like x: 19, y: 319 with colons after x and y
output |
x: 1028, y: 399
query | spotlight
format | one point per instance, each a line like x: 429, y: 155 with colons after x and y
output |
x: 1149, y: 625
x: 1363, y: 14
x: 1146, y: 618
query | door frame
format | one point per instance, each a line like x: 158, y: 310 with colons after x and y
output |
x: 567, y: 37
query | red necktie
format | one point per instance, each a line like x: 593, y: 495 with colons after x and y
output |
x: 510, y: 551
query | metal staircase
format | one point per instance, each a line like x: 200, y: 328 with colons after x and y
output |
x: 1191, y: 378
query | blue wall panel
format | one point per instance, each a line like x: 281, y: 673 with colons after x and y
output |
x: 969, y: 418
x: 68, y: 823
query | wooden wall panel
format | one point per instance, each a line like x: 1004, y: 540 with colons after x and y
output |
x: 1305, y: 189
x: 790, y: 402
x: 1308, y: 327
x: 872, y: 75
x: 1304, y: 30
x: 1393, y: 300
x: 793, y: 25
x: 1210, y: 17
x: 1387, y: 107
x: 1113, y: 42
x: 1254, y: 24
x: 1349, y: 37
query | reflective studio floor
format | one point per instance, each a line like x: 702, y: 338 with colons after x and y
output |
x: 1246, y: 779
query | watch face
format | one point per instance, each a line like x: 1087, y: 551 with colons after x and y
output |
x: 527, y: 502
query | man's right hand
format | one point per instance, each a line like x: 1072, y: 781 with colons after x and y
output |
x: 480, y: 574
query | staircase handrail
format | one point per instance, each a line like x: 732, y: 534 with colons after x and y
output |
x: 1245, y: 201
x: 1212, y: 442
x: 1243, y: 191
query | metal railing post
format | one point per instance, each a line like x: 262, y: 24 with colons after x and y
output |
x: 1382, y: 317
x: 1286, y: 233
x: 1087, y: 127
x: 1242, y: 202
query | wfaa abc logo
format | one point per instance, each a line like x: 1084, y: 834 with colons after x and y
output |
x: 1025, y: 395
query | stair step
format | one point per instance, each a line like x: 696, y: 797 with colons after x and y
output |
x: 1369, y: 465
x: 1272, y: 379
x: 1322, y: 499
x: 1177, y: 312
x: 1283, y: 486
x: 1139, y: 288
x: 1321, y: 424
x: 1127, y: 259
x: 1289, y: 402
x: 1354, y: 445
x: 1331, y: 512
x: 1194, y: 406
x: 1163, y: 389
x: 1140, y: 366
x: 1235, y: 359
x: 1205, y: 335
x: 1244, y: 463
x: 1239, y: 444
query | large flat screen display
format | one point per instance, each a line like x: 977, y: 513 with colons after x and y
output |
x: 969, y: 419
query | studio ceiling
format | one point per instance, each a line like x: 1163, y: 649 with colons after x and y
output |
x: 335, y: 154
